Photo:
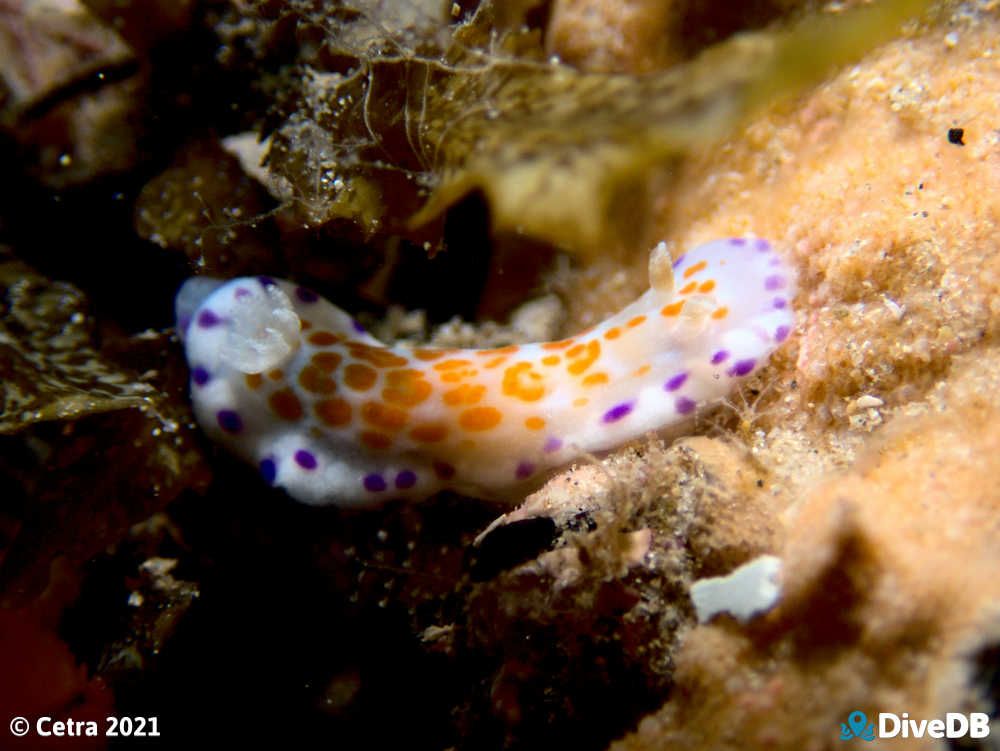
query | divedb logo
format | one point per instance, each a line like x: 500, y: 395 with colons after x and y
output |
x: 954, y: 725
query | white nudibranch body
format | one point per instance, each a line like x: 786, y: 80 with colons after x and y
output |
x: 294, y: 385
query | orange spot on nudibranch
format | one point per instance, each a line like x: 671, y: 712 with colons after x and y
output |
x: 431, y: 354
x: 695, y: 269
x: 575, y: 351
x: 380, y: 357
x: 285, y: 404
x: 557, y: 345
x: 326, y: 361
x: 688, y: 288
x: 464, y: 394
x: 635, y: 321
x: 359, y: 377
x: 641, y: 371
x: 595, y: 379
x: 276, y: 375
x: 496, y: 361
x: 612, y: 333
x: 315, y: 381
x: 323, y: 338
x: 707, y: 286
x: 580, y: 402
x: 406, y: 388
x: 672, y: 309
x: 305, y: 325
x: 720, y: 313
x: 382, y: 416
x: 374, y: 440
x: 551, y: 360
x: 508, y: 350
x: 534, y: 423
x: 431, y: 432
x: 452, y: 364
x: 453, y: 371
x: 521, y: 381
x: 480, y: 418
x: 254, y: 380
x: 593, y: 352
x: 334, y: 412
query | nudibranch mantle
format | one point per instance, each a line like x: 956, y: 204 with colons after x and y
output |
x: 294, y: 385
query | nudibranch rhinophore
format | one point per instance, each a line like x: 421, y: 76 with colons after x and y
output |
x: 294, y: 385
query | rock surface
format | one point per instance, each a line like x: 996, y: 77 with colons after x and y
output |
x: 876, y: 430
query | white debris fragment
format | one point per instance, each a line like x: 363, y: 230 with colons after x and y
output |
x: 251, y: 151
x: 867, y: 401
x: 897, y: 310
x: 751, y: 589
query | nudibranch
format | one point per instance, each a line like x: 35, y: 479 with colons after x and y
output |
x: 296, y: 386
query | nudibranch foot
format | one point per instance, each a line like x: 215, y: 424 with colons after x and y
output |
x: 294, y: 385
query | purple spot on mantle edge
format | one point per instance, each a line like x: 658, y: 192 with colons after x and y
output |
x: 680, y: 260
x: 374, y: 483
x: 781, y: 333
x: 618, y: 412
x: 266, y: 281
x: 207, y: 319
x: 406, y: 479
x: 229, y: 421
x: 719, y: 356
x: 676, y: 382
x: 358, y: 327
x: 684, y: 405
x: 553, y: 444
x: 242, y: 292
x: 200, y: 376
x: 524, y: 469
x: 763, y: 245
x: 305, y: 459
x: 268, y: 470
x: 305, y: 294
x: 776, y: 281
x: 742, y: 367
x: 738, y: 241
x: 780, y: 303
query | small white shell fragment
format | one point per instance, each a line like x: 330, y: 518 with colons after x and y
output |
x: 866, y: 401
x: 894, y: 307
x: 751, y: 589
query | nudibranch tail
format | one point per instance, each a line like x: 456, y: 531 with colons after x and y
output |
x: 294, y: 385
